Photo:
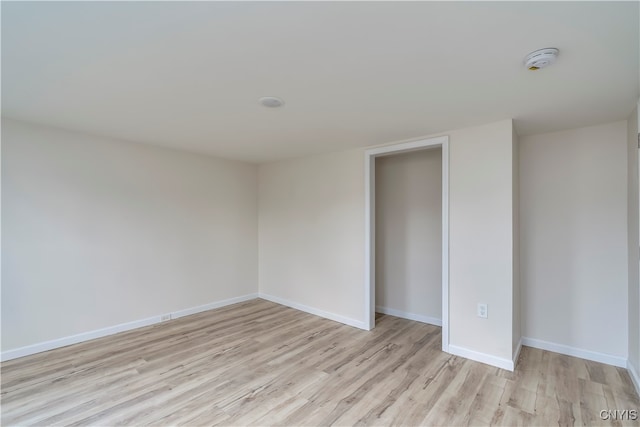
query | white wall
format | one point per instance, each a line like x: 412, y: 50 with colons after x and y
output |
x: 633, y: 216
x: 517, y: 310
x: 481, y: 238
x: 99, y: 232
x: 573, y: 212
x: 86, y: 248
x: 312, y: 235
x: 311, y: 222
x: 409, y: 233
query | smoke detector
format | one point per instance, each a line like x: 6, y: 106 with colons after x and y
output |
x: 271, y: 102
x: 541, y: 58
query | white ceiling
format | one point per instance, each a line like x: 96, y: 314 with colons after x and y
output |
x: 188, y: 75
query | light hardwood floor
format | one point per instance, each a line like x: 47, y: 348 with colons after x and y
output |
x: 265, y: 364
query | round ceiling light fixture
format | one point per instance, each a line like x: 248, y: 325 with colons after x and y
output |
x: 271, y: 102
x: 541, y: 58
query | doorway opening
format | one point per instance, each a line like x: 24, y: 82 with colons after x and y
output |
x: 409, y: 281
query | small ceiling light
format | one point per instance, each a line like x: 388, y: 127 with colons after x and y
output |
x: 541, y: 58
x: 271, y: 102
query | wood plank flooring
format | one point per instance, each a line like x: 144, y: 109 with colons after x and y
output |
x: 259, y: 363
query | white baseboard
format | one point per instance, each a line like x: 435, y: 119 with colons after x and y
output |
x: 635, y: 378
x: 99, y: 333
x: 576, y: 352
x: 516, y: 354
x: 212, y: 305
x: 487, y: 359
x: 411, y: 316
x: 315, y: 311
x: 74, y: 339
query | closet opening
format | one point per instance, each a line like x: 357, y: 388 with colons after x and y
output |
x: 407, y: 237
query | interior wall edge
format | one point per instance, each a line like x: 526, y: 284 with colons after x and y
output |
x: 633, y: 373
x: 122, y: 327
x: 516, y: 353
x: 608, y: 359
x: 487, y: 359
x: 410, y: 316
x: 119, y: 140
x: 315, y: 311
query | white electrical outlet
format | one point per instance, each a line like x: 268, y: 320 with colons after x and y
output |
x: 165, y: 317
x: 483, y: 311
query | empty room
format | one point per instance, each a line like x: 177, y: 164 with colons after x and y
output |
x: 320, y: 213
